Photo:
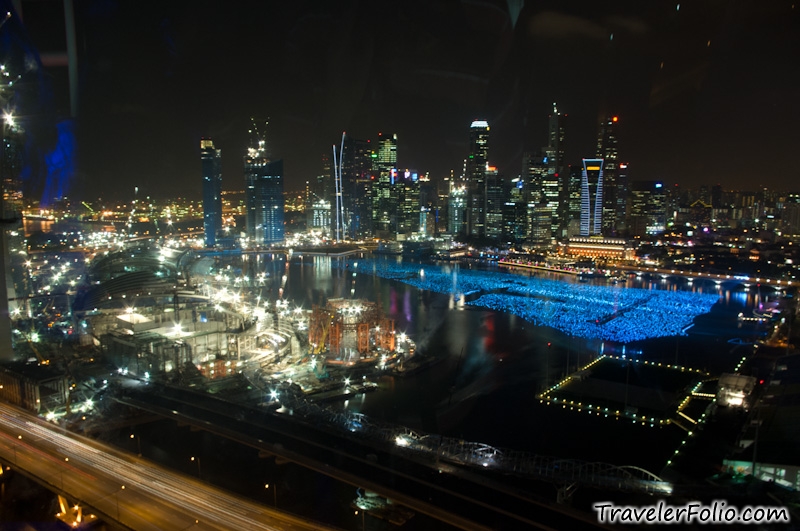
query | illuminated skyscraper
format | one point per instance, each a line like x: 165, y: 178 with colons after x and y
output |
x: 263, y: 196
x: 211, y: 167
x: 648, y: 208
x: 356, y: 167
x: 592, y: 197
x: 548, y: 184
x: 384, y: 169
x: 477, y: 160
x: 557, y: 172
x: 456, y: 209
x: 405, y: 194
x: 607, y: 150
x: 495, y: 200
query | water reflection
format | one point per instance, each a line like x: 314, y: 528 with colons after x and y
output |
x: 493, y: 359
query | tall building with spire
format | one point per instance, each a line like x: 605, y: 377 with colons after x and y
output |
x: 263, y: 195
x: 477, y: 161
x: 211, y: 167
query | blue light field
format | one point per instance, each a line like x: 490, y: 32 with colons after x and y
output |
x: 612, y: 313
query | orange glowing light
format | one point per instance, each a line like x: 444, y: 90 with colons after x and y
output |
x: 614, y: 119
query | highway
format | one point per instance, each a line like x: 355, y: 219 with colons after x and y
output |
x: 123, y: 488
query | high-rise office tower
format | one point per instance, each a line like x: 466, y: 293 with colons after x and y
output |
x: 592, y: 188
x: 555, y: 139
x: 263, y: 196
x: 647, y: 208
x: 384, y: 170
x: 548, y: 180
x: 477, y: 160
x: 573, y: 221
x: 543, y: 198
x: 405, y: 194
x: 622, y: 190
x: 443, y: 203
x: 515, y: 210
x: 356, y: 172
x: 457, y: 209
x: 495, y: 200
x: 211, y: 167
x: 557, y: 170
x: 607, y: 150
x: 323, y: 188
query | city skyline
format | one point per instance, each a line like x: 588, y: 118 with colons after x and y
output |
x: 447, y: 264
x: 670, y: 72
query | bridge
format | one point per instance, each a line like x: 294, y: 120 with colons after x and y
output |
x: 717, y: 278
x: 118, y: 487
x: 429, y: 474
x: 663, y: 272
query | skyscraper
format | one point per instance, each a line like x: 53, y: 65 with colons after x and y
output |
x: 456, y: 209
x: 607, y: 150
x: 556, y: 188
x: 573, y: 221
x: 592, y: 197
x: 548, y: 185
x: 356, y: 167
x: 495, y: 201
x: 405, y: 194
x: 648, y: 208
x: 384, y: 167
x: 211, y: 167
x: 477, y: 159
x: 263, y: 196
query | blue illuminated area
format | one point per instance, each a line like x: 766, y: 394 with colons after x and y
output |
x: 60, y: 164
x: 584, y: 310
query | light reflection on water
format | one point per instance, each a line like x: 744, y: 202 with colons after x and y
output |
x: 497, y: 362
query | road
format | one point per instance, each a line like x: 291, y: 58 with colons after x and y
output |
x: 120, y: 487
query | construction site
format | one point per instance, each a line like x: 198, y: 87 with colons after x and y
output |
x: 351, y: 331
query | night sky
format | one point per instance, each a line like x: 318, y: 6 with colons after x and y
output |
x: 706, y: 91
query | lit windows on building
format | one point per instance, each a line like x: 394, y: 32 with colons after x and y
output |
x: 211, y: 166
x: 647, y: 212
x: 592, y: 197
x: 599, y: 247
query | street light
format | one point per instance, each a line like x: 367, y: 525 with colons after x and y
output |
x: 198, y: 466
x: 116, y: 495
x: 19, y: 437
x: 274, y: 494
x: 138, y: 443
x: 363, y: 519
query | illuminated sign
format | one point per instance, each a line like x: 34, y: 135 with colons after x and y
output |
x: 592, y: 168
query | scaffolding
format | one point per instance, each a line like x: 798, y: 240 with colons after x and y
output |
x: 347, y: 325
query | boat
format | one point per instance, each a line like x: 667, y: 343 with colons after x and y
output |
x: 392, y: 248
